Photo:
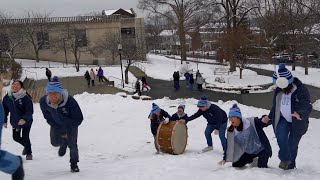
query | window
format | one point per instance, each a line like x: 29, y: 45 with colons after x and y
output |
x: 125, y: 32
x: 81, y: 38
x: 43, y: 40
x: 4, y: 42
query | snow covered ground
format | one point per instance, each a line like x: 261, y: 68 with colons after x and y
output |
x: 316, y: 105
x: 115, y: 142
x: 311, y: 79
x: 36, y: 70
x: 160, y: 67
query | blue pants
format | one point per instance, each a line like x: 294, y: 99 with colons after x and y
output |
x: 287, y: 140
x: 72, y: 138
x: 9, y: 163
x: 222, y: 134
x: 176, y: 85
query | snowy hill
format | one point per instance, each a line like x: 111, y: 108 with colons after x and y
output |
x: 115, y: 142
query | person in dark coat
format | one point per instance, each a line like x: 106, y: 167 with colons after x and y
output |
x: 64, y: 115
x: 48, y: 74
x: 191, y: 82
x: 156, y: 116
x: 9, y: 163
x: 217, y: 122
x: 246, y: 141
x: 100, y: 75
x: 289, y: 115
x: 19, y: 104
x: 138, y: 87
x: 179, y: 114
x: 176, y: 79
x: 87, y: 77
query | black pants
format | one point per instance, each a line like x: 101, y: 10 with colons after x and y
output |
x: 57, y: 139
x: 92, y: 82
x: 248, y: 158
x: 49, y: 78
x: 138, y: 91
x: 22, y: 136
x: 88, y: 82
x: 100, y: 79
x: 200, y: 87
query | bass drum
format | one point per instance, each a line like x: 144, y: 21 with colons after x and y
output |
x: 172, y: 137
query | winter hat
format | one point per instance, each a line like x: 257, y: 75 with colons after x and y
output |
x: 283, y: 72
x: 182, y: 106
x: 235, y: 111
x: 155, y: 108
x: 202, y: 102
x: 54, y: 86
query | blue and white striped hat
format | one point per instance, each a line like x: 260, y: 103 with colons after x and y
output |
x: 283, y: 72
x: 54, y: 86
x: 235, y: 112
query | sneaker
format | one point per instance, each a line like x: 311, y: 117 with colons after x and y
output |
x: 209, y: 148
x: 284, y: 165
x: 19, y: 174
x: 24, y: 152
x: 74, y: 168
x: 29, y: 157
x: 291, y: 165
x: 62, y: 151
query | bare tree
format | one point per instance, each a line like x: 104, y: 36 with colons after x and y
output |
x: 180, y: 13
x: 154, y: 25
x: 109, y: 43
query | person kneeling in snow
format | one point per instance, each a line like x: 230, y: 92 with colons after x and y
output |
x: 64, y: 115
x: 179, y: 114
x: 246, y: 141
x: 9, y: 163
x: 156, y: 116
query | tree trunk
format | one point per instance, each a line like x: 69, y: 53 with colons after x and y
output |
x: 305, y: 63
x: 241, y: 73
x: 37, y: 55
x: 182, y: 38
x: 126, y: 76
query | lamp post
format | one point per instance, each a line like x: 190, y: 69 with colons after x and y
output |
x: 120, y: 49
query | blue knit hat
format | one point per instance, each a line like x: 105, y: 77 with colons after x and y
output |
x: 235, y: 112
x: 182, y: 106
x: 283, y: 72
x: 202, y: 102
x: 155, y: 108
x: 54, y: 86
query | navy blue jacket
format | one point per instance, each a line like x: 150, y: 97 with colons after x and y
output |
x: 262, y: 136
x: 67, y: 115
x: 175, y: 117
x: 214, y: 115
x: 300, y: 103
x: 21, y: 108
x: 156, y: 120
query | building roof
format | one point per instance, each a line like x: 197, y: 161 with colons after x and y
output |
x: 114, y: 11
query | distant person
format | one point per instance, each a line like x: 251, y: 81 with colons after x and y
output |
x: 191, y: 82
x: 20, y: 106
x: 179, y: 114
x: 176, y: 79
x: 138, y: 87
x: 100, y: 75
x: 200, y: 81
x: 145, y: 86
x: 187, y: 77
x: 64, y: 115
x: 48, y: 74
x: 87, y: 77
x: 9, y: 163
x: 92, y: 76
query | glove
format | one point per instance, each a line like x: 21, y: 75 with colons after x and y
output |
x: 166, y: 121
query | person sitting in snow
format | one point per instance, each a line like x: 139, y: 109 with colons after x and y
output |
x: 156, y: 116
x: 10, y: 163
x: 64, y: 115
x: 179, y: 114
x: 246, y: 141
x: 217, y: 122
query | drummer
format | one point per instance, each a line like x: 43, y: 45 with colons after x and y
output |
x: 179, y: 114
x: 156, y: 116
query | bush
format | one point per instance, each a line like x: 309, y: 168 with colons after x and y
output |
x: 7, y: 65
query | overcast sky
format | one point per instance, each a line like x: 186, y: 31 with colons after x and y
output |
x: 65, y: 7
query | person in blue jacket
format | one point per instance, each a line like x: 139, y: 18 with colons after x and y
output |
x: 246, y: 141
x: 64, y: 115
x: 156, y: 116
x: 289, y: 115
x: 179, y: 114
x: 217, y: 122
x: 10, y: 163
x: 19, y: 104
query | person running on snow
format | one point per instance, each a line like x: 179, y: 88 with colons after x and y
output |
x: 289, y: 115
x: 246, y: 141
x: 156, y: 116
x: 64, y: 115
x: 19, y: 104
x: 217, y: 122
x: 179, y: 114
x: 10, y: 163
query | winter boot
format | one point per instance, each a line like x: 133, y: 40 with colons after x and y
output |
x: 206, y: 149
x: 291, y: 165
x: 19, y: 174
x: 29, y: 157
x: 74, y: 167
x: 63, y: 148
x: 284, y: 165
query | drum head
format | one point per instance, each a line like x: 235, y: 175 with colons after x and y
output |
x: 179, y: 138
